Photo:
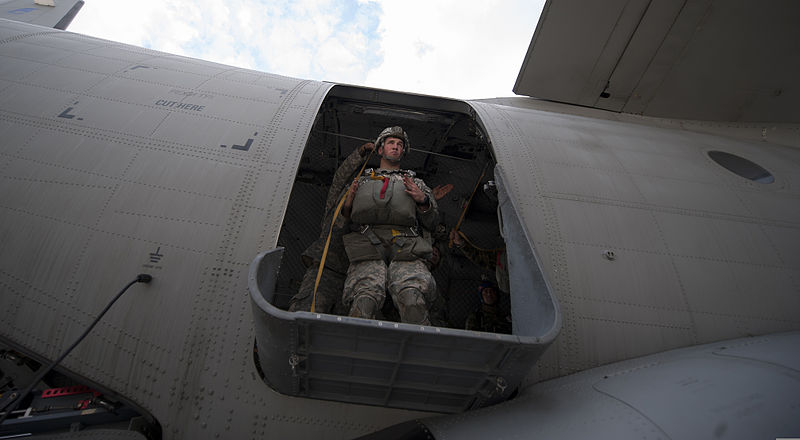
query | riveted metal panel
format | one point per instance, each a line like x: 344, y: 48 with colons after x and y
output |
x: 388, y: 363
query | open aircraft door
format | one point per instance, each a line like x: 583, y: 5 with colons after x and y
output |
x: 393, y: 364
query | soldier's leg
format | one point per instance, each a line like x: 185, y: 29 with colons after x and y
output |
x: 365, y: 288
x: 437, y: 308
x: 329, y: 291
x: 411, y: 284
x: 301, y: 301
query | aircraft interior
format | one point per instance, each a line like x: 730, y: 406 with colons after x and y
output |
x: 447, y: 147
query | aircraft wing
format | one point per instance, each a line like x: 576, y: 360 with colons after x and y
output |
x: 50, y: 13
x: 677, y: 394
x: 705, y: 60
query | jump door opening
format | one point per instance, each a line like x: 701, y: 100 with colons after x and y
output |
x: 443, y: 366
x: 448, y: 150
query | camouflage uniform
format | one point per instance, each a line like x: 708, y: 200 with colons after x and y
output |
x: 409, y: 283
x: 391, y: 257
x: 328, y: 291
x: 488, y: 319
x: 333, y: 275
x: 437, y: 306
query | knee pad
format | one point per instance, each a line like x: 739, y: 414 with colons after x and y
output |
x: 364, y: 306
x: 410, y: 303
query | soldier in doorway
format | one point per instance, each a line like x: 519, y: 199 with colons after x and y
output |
x: 394, y: 212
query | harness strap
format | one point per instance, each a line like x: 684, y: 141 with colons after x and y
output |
x: 385, y: 179
x: 383, y: 188
x: 381, y: 247
x: 370, y: 234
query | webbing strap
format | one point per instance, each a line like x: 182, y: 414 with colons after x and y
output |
x: 383, y: 188
x: 330, y: 231
x: 466, y: 205
x: 464, y: 236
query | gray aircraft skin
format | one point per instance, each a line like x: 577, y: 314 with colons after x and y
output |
x: 675, y: 270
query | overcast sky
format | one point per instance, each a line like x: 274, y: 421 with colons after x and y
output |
x: 465, y: 49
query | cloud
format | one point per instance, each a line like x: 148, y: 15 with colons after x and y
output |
x: 446, y: 48
x: 422, y: 48
x: 455, y: 49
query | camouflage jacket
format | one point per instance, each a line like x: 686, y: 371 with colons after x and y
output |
x: 336, y: 258
x: 486, y: 319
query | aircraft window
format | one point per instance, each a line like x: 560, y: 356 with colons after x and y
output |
x: 741, y: 166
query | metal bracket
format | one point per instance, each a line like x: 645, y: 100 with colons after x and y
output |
x: 294, y: 361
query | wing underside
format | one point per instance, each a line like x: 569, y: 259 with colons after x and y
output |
x: 705, y: 60
x: 56, y: 14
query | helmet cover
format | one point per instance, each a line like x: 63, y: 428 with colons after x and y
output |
x: 396, y: 132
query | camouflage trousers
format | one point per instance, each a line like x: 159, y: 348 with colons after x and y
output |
x: 328, y: 292
x: 409, y: 283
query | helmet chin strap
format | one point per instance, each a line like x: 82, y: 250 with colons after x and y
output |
x: 393, y: 160
x: 383, y: 155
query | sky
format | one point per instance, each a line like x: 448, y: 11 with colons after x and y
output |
x: 464, y: 49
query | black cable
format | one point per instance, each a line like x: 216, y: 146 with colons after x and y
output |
x: 14, y: 403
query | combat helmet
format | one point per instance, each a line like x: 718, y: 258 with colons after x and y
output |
x: 397, y: 132
x: 483, y: 285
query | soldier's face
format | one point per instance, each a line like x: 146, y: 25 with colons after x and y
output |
x: 489, y: 295
x: 393, y: 148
